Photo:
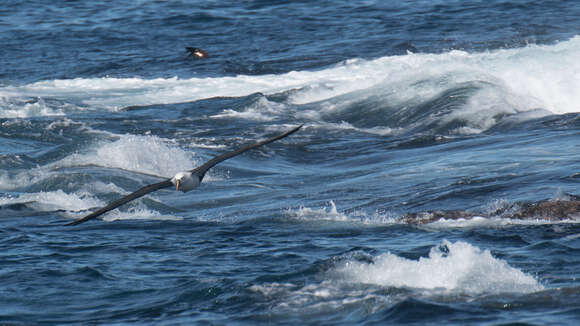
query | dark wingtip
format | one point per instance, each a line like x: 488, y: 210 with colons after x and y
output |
x: 287, y: 133
x: 79, y: 221
x: 123, y: 200
x: 295, y: 129
x: 73, y: 223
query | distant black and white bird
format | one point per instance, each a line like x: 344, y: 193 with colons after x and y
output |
x: 182, y: 181
x: 196, y: 52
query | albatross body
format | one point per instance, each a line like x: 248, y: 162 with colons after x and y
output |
x: 182, y: 181
x: 185, y: 181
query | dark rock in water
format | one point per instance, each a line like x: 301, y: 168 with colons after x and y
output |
x: 434, y: 216
x: 549, y: 210
x: 196, y: 53
x: 544, y: 210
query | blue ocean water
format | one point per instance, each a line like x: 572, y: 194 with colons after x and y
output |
x: 408, y: 106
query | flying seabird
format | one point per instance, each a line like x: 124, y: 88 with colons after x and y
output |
x: 196, y: 52
x: 182, y: 181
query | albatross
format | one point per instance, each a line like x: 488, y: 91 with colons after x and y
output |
x: 182, y: 181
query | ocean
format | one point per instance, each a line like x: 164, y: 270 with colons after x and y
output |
x: 465, y: 108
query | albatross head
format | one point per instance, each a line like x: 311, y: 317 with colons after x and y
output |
x: 185, y: 181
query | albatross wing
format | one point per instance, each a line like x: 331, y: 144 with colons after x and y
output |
x: 199, y: 171
x: 121, y: 201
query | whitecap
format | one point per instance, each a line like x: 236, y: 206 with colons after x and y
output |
x: 17, y: 108
x: 522, y: 79
x: 53, y: 200
x: 143, y: 154
x: 451, y: 271
x: 261, y: 110
x: 450, y: 268
x: 329, y: 213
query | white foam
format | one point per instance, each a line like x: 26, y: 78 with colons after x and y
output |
x: 67, y: 123
x: 144, y: 154
x: 538, y: 79
x: 451, y: 267
x: 76, y: 204
x: 478, y: 221
x: 138, y: 212
x: 24, y: 109
x: 54, y: 200
x: 527, y: 78
x: 116, y: 93
x: 11, y: 181
x: 262, y: 110
x: 452, y: 270
x: 327, y: 295
x: 386, y: 217
x: 343, y: 125
x: 310, y: 214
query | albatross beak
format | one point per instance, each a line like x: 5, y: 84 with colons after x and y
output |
x: 177, y: 182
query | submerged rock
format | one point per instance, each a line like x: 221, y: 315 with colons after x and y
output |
x: 548, y: 210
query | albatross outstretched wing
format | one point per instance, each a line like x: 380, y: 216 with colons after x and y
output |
x: 121, y: 201
x: 200, y: 171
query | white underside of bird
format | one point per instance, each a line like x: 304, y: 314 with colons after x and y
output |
x: 185, y: 181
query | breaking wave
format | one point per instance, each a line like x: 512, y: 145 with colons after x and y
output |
x: 454, y: 92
